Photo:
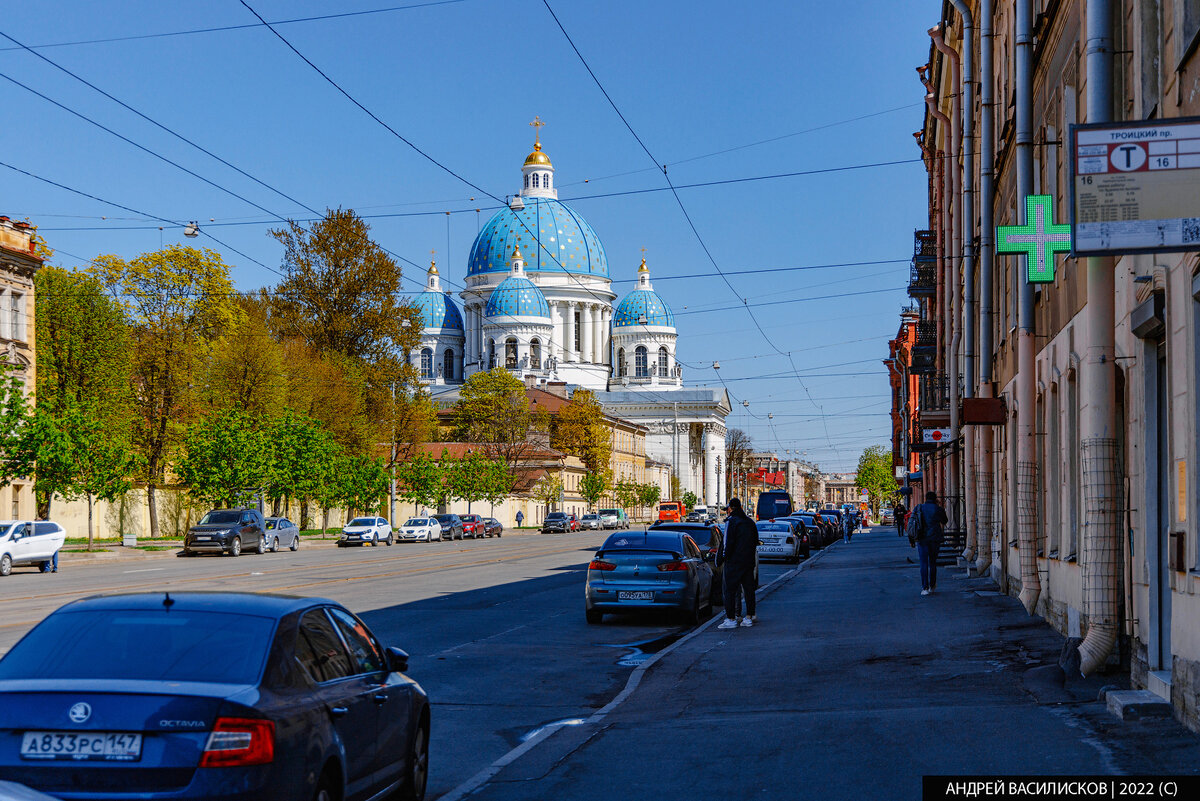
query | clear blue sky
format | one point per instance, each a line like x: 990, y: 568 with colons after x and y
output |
x: 461, y: 80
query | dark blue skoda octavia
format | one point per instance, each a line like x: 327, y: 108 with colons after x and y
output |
x: 211, y: 695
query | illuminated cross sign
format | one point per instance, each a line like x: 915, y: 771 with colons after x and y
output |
x: 1039, y: 238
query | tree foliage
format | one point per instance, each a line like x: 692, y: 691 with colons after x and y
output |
x: 581, y: 430
x: 548, y: 489
x: 689, y: 499
x: 419, y: 480
x: 225, y: 459
x: 493, y: 411
x: 467, y: 478
x: 593, y: 486
x: 876, y: 476
x: 627, y: 493
x: 649, y: 494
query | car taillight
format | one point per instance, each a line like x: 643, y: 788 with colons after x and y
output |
x: 788, y: 540
x: 670, y: 567
x: 239, y: 742
x: 600, y: 564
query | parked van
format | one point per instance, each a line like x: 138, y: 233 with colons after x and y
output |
x: 701, y: 511
x: 773, y: 504
x: 613, y: 518
x: 671, y: 511
x: 25, y: 542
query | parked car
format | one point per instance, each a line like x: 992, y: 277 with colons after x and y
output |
x: 643, y: 571
x: 556, y: 521
x: 614, y: 518
x: 782, y: 539
x: 452, y: 526
x: 773, y: 504
x: 493, y: 527
x: 282, y: 532
x: 590, y: 521
x: 708, y: 539
x: 819, y: 534
x: 472, y: 525
x: 833, y: 518
x: 692, y: 517
x: 29, y: 542
x: 574, y: 521
x: 226, y: 531
x: 887, y: 516
x: 419, y: 529
x: 366, y: 531
x: 210, y: 695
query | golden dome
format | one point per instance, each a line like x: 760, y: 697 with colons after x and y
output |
x: 516, y: 254
x: 537, y: 158
x: 433, y: 267
x: 643, y: 268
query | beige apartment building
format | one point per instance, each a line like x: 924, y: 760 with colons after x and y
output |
x: 18, y: 264
x: 1073, y: 405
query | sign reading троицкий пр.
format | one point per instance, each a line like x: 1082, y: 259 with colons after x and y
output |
x: 1135, y: 187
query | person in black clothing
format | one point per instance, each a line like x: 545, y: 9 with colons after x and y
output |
x: 736, y: 559
x: 899, y: 517
x: 925, y: 531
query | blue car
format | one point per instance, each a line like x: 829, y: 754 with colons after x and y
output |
x: 642, y: 571
x: 210, y: 695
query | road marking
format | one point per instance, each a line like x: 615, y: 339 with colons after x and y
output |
x: 144, y: 570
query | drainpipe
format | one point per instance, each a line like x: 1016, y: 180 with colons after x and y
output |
x: 1102, y: 536
x: 944, y: 270
x: 983, y: 543
x: 953, y: 264
x: 1031, y: 586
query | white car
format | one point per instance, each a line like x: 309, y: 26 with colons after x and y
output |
x: 778, y: 539
x: 366, y: 531
x: 419, y: 529
x: 26, y: 542
x: 590, y: 521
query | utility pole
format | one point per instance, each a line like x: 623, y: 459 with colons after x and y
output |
x: 392, y: 493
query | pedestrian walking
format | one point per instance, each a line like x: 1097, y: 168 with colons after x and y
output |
x: 737, y: 559
x: 520, y: 517
x: 925, y: 534
x: 847, y: 525
x: 900, y: 518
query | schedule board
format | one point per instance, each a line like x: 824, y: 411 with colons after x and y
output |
x: 1135, y: 187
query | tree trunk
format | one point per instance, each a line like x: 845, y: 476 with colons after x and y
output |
x: 324, y: 521
x: 275, y: 508
x: 304, y: 514
x: 91, y: 526
x: 152, y: 504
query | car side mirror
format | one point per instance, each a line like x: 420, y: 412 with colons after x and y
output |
x: 397, y: 660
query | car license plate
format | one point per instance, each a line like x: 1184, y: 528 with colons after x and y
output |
x: 91, y: 745
x: 635, y: 596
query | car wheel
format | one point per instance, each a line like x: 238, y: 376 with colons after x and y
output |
x: 261, y: 546
x: 327, y: 789
x: 295, y: 546
x: 388, y: 541
x: 275, y: 545
x: 374, y: 539
x: 418, y: 765
x: 692, y: 618
x: 235, y: 547
x: 593, y: 616
x: 5, y: 565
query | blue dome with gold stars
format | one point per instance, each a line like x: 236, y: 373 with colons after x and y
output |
x: 647, y: 302
x: 517, y: 296
x: 553, y: 235
x: 438, y: 310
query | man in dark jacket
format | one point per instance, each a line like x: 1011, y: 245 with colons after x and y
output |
x: 737, y: 558
x: 925, y: 531
x: 900, y: 517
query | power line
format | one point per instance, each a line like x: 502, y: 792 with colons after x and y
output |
x: 792, y: 300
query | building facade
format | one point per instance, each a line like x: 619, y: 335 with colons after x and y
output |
x: 19, y: 262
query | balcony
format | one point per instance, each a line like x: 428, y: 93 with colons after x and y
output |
x: 927, y: 334
x: 924, y: 246
x: 935, y: 392
x: 922, y: 281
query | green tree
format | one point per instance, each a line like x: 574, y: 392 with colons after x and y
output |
x: 499, y: 482
x: 493, y: 410
x: 365, y: 482
x: 14, y: 416
x: 627, y: 494
x: 419, y: 480
x: 548, y: 489
x: 177, y: 306
x: 298, y: 453
x: 225, y: 459
x: 648, y: 494
x: 580, y: 429
x: 876, y: 476
x: 593, y: 486
x: 467, y: 478
x: 689, y: 499
x: 247, y: 370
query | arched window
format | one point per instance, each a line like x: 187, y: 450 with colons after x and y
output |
x: 546, y: 180
x: 448, y: 364
x: 426, y: 363
x: 662, y: 361
x: 535, y: 180
x: 535, y: 354
x: 639, y: 361
x: 526, y: 181
x: 510, y: 352
x: 491, y: 353
x: 622, y: 369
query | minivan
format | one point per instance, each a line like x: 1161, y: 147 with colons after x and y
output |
x: 773, y: 504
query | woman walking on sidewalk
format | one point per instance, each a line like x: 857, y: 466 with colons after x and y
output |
x: 737, y: 558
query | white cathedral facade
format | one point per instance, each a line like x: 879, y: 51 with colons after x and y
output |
x: 539, y: 303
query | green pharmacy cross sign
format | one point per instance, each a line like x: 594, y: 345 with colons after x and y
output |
x: 1039, y: 238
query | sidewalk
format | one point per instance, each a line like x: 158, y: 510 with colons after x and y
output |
x: 852, y: 686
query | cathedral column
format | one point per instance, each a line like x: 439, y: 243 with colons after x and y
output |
x: 468, y: 332
x: 587, y: 331
x: 569, y: 340
x: 597, y: 320
x: 711, y: 479
x: 606, y: 336
x: 558, y: 317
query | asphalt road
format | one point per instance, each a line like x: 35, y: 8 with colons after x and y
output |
x: 495, y: 627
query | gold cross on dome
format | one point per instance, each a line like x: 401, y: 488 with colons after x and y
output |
x: 537, y: 125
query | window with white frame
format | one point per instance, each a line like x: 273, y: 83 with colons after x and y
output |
x: 640, y: 362
x: 426, y: 363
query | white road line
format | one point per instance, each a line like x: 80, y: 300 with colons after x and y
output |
x: 144, y: 570
x: 484, y: 776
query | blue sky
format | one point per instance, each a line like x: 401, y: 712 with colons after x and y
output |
x: 461, y: 79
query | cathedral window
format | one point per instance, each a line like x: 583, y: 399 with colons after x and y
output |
x: 622, y: 369
x: 639, y: 361
x: 535, y: 354
x: 526, y: 181
x: 663, y: 358
x: 546, y: 180
x: 535, y: 180
x: 510, y: 353
x: 578, y: 331
x: 448, y: 364
x: 491, y: 353
x: 426, y: 363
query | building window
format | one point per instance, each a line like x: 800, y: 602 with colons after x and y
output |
x: 1069, y: 549
x: 639, y: 359
x: 491, y: 354
x: 535, y: 180
x: 662, y: 361
x: 578, y: 331
x: 535, y: 354
x: 426, y: 363
x: 15, y: 318
x: 622, y: 369
x: 510, y: 353
x: 448, y: 364
x: 546, y: 180
x: 526, y: 181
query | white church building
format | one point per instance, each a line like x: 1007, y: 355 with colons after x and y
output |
x: 539, y: 302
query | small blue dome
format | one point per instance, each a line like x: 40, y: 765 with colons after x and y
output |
x: 647, y: 302
x: 554, y: 237
x: 517, y: 296
x: 438, y: 311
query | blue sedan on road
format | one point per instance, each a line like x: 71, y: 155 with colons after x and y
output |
x: 210, y: 695
x: 646, y: 570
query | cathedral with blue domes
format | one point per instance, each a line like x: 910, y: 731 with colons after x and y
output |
x: 538, y: 302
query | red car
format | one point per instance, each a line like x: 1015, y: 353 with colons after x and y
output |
x: 573, y: 521
x: 473, y: 526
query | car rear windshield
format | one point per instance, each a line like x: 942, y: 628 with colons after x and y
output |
x: 219, y: 518
x: 656, y: 540
x: 774, y: 527
x: 153, y: 645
